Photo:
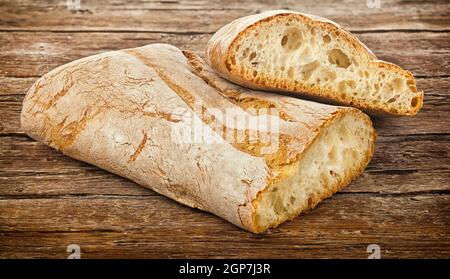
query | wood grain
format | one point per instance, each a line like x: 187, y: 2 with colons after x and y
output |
x: 134, y: 227
x: 48, y: 201
x: 207, y: 16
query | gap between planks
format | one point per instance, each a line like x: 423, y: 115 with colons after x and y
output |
x: 187, y: 33
x: 411, y: 195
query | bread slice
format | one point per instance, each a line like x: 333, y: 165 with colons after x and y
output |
x: 159, y: 117
x: 309, y: 55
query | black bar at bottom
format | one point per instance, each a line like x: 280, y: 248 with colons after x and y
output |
x: 225, y: 268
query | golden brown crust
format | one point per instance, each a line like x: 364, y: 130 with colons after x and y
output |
x: 221, y: 48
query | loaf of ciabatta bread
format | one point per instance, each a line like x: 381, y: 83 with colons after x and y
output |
x: 163, y: 119
x: 309, y: 55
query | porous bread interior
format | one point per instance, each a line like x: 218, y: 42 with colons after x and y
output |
x: 337, y: 155
x: 297, y: 55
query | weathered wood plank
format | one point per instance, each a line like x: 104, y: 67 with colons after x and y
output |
x: 433, y: 118
x: 98, y: 182
x: 208, y: 16
x: 342, y: 226
x: 139, y: 245
x: 400, y: 165
x: 31, y: 54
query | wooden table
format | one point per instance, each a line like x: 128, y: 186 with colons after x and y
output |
x: 48, y: 201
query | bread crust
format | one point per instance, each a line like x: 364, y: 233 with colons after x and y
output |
x: 116, y: 110
x: 220, y: 54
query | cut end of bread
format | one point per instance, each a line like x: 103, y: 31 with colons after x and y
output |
x: 315, y: 57
x: 336, y: 157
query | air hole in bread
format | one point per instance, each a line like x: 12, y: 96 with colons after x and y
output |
x: 414, y: 102
x: 391, y: 100
x: 338, y: 58
x: 284, y: 40
x: 228, y: 66
x: 398, y: 84
x: 309, y: 68
x: 345, y: 85
x: 351, y: 84
x: 329, y: 75
x: 233, y: 60
x: 292, y: 39
x: 252, y: 56
x: 245, y: 52
x: 332, y: 154
x: 305, y: 53
x: 326, y: 39
x: 388, y: 88
x: 291, y: 72
x: 377, y: 87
